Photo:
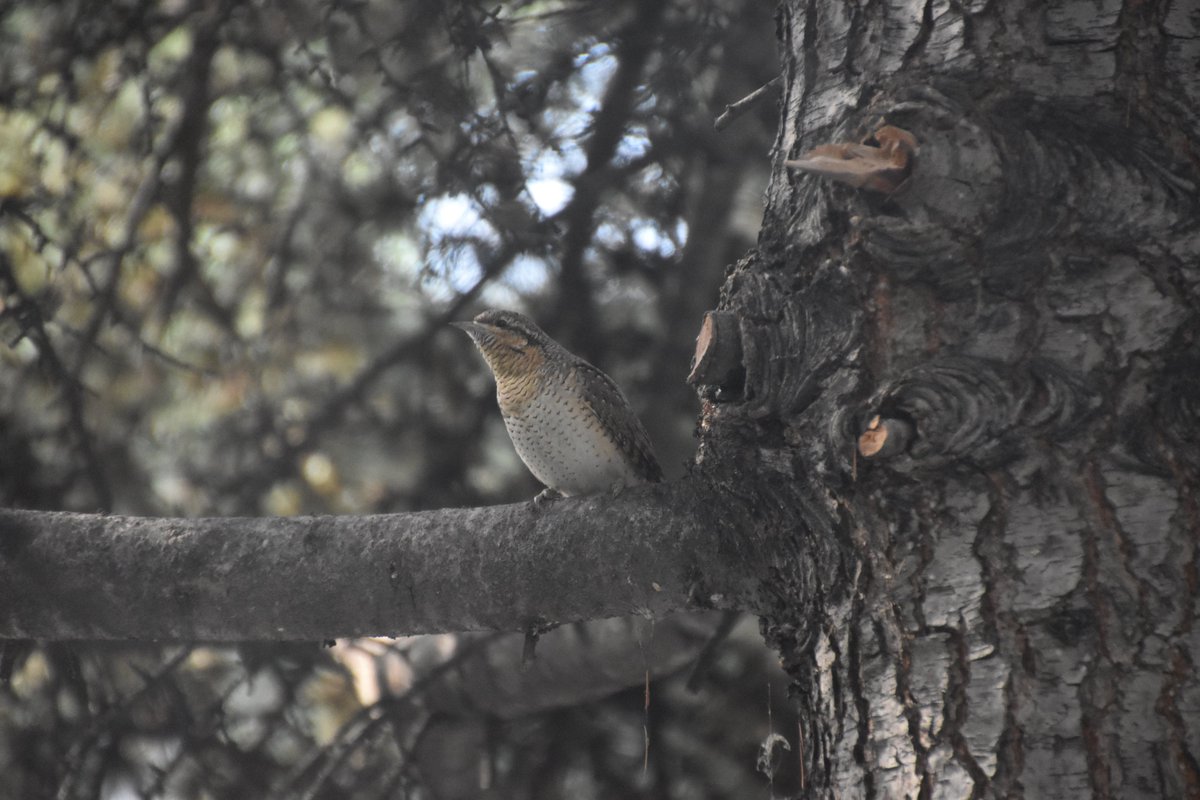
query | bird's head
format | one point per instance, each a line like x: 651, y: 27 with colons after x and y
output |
x: 510, y: 342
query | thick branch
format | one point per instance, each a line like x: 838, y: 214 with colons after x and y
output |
x: 83, y: 576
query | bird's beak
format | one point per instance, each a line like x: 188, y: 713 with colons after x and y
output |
x: 473, y: 329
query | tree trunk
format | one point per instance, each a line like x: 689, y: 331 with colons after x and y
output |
x: 1005, y: 592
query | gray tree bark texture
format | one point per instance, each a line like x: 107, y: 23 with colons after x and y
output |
x: 647, y: 552
x: 1011, y: 610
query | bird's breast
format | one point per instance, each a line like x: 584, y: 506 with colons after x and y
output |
x: 562, y: 442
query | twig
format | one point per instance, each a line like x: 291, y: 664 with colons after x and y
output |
x: 40, y: 241
x: 103, y: 723
x: 735, y: 110
x: 708, y: 653
x: 365, y: 721
x: 72, y: 387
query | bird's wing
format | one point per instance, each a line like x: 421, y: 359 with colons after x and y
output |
x: 613, y: 411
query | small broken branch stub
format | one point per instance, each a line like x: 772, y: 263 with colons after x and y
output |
x: 718, y: 357
x: 879, y: 163
x: 884, y: 438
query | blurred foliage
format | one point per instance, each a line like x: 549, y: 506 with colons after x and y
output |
x: 231, y: 235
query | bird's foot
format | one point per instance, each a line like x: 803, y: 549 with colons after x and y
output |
x: 618, y: 488
x: 545, y: 497
x: 532, y: 634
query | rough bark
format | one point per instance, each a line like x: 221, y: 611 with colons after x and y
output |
x: 646, y: 551
x: 1009, y: 608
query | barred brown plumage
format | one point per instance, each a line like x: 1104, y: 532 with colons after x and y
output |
x: 568, y: 421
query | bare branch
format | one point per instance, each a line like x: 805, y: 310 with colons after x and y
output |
x: 735, y: 110
x: 608, y: 126
x: 650, y: 550
x: 71, y: 385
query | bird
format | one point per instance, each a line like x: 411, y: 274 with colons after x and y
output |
x: 568, y: 421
